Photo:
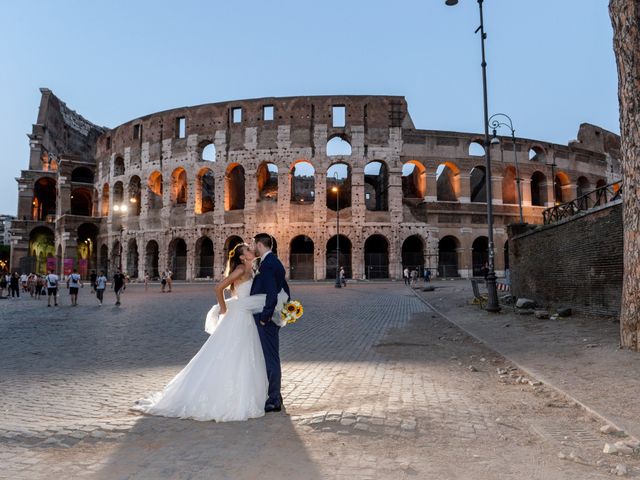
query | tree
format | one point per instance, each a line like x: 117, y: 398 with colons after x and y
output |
x: 625, y: 17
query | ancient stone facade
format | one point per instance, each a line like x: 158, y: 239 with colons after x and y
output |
x: 177, y: 189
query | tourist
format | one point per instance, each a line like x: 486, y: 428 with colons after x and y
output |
x: 146, y: 280
x: 40, y: 286
x: 14, y: 285
x: 169, y: 279
x: 24, y: 280
x: 118, y: 285
x: 343, y: 280
x: 73, y: 283
x: 427, y: 275
x: 52, y: 288
x: 163, y: 281
x: 3, y: 284
x: 92, y: 279
x: 405, y: 275
x: 414, y: 277
x: 101, y: 284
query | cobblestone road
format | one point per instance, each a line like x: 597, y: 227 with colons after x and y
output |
x: 375, y: 386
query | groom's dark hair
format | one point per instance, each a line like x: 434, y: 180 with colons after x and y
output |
x: 264, y: 239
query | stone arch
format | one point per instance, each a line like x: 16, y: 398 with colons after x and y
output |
x: 41, y: 246
x: 132, y: 258
x: 601, y: 183
x: 561, y: 187
x: 479, y: 255
x: 118, y: 166
x: 179, y: 186
x: 332, y: 256
x: 537, y: 154
x: 509, y: 185
x: 413, y: 253
x: 234, y: 188
x: 376, y: 257
x: 44, y: 199
x: 118, y: 194
x: 476, y: 149
x: 414, y: 180
x: 583, y: 186
x: 178, y: 258
x: 448, y: 248
x: 301, y: 258
x: 208, y: 152
x: 116, y: 256
x: 105, y: 200
x: 448, y: 182
x: 204, y: 257
x: 478, y: 184
x: 155, y: 189
x: 86, y: 248
x: 538, y: 189
x: 135, y: 198
x: 82, y: 175
x: 104, y: 259
x: 205, y: 191
x: 152, y: 259
x: 338, y: 145
x: 339, y: 186
x: 81, y: 202
x: 376, y: 186
x: 267, y: 179
x: 303, y: 182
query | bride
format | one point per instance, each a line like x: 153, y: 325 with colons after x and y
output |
x: 226, y: 380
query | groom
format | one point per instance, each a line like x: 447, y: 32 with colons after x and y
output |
x: 269, y: 279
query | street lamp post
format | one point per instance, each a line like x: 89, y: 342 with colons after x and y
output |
x: 336, y: 190
x: 495, y: 124
x: 492, y: 291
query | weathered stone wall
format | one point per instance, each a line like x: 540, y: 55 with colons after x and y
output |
x: 577, y: 262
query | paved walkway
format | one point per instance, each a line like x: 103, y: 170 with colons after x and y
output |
x: 578, y: 355
x: 375, y: 387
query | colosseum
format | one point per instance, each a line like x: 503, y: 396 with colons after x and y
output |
x: 179, y: 188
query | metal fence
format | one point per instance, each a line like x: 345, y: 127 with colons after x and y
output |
x: 301, y: 266
x: 595, y: 198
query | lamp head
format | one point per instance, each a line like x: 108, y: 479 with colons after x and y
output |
x: 334, y: 189
x: 451, y: 3
x: 494, y: 139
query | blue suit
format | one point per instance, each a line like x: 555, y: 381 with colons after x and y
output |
x: 270, y: 279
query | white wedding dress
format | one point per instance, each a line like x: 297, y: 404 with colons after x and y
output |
x: 226, y: 380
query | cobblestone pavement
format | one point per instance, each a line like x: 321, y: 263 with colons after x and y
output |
x: 375, y: 385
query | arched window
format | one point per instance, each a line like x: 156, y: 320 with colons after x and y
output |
x: 81, y: 202
x: 448, y: 182
x: 86, y: 248
x: 583, y: 186
x: 376, y: 186
x: 118, y: 166
x: 267, y: 177
x: 41, y: 246
x: 179, y: 186
x: 301, y: 258
x: 303, y: 182
x: 480, y: 256
x: 205, y: 191
x: 448, y: 256
x: 44, y: 199
x: 82, y: 175
x: 204, y: 258
x: 509, y: 188
x: 344, y: 244
x: 414, y: 180
x: 536, y: 154
x: 339, y: 186
x: 118, y: 197
x: 376, y: 257
x: 178, y: 258
x: 234, y: 188
x: 413, y: 253
x: 338, y: 146
x: 105, y: 200
x: 132, y: 258
x: 151, y: 261
x: 478, y: 184
x: 476, y: 149
x: 538, y: 189
x: 562, y: 187
x: 208, y: 153
x: 155, y: 190
x: 134, y: 195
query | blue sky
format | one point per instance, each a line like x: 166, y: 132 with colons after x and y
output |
x: 551, y: 64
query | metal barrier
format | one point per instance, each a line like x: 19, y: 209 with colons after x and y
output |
x: 595, y: 198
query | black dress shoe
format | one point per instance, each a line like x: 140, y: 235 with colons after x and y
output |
x: 272, y: 408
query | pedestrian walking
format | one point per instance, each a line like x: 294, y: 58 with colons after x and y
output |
x: 52, y: 288
x: 169, y: 279
x: 146, y: 280
x: 405, y: 275
x: 118, y: 285
x: 40, y: 285
x: 24, y: 279
x: 414, y: 277
x: 427, y: 275
x: 163, y: 281
x: 14, y: 285
x: 92, y: 279
x: 343, y: 280
x: 101, y: 285
x: 3, y: 284
x: 74, y: 282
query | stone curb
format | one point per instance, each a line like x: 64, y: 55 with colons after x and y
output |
x: 531, y: 373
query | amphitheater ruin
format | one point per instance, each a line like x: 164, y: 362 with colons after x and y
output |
x: 178, y: 189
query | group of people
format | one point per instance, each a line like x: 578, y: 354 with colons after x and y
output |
x: 49, y: 284
x: 410, y: 276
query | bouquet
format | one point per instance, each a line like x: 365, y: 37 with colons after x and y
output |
x: 291, y: 312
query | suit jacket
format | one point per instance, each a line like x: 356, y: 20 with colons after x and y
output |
x: 269, y: 279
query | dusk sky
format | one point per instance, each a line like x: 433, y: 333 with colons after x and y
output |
x: 551, y: 63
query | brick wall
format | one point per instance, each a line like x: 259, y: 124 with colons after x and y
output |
x: 576, y: 263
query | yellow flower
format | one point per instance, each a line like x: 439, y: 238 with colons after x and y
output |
x: 291, y: 307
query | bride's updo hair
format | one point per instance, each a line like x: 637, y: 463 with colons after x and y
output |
x: 234, y: 258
